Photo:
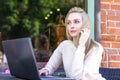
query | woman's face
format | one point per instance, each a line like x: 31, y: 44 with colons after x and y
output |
x: 74, y: 24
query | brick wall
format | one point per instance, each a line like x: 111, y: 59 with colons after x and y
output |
x: 110, y: 32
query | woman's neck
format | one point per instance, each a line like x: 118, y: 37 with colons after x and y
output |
x: 75, y: 41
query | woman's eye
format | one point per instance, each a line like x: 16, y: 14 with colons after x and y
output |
x: 68, y: 23
x: 76, y: 21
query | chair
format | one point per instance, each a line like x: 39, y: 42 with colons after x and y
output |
x: 110, y: 73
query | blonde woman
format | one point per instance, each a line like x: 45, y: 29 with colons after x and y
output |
x: 80, y: 55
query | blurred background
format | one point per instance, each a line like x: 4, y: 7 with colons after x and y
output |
x: 33, y: 18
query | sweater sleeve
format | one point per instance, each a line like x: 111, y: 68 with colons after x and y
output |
x: 87, y: 67
x: 78, y: 61
x: 55, y: 60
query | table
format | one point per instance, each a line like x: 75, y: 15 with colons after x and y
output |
x: 4, y: 66
x: 4, y: 76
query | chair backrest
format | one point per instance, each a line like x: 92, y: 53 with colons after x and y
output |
x: 110, y: 73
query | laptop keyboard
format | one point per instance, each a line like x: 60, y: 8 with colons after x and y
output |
x: 54, y: 78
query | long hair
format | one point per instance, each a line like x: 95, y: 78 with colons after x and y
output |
x: 85, y: 23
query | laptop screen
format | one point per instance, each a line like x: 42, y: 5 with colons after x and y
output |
x: 20, y: 58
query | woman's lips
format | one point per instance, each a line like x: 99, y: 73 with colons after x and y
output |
x: 73, y: 31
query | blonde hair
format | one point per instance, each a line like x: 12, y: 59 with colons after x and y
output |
x: 85, y: 21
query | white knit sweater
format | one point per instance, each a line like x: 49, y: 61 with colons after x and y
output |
x: 76, y: 64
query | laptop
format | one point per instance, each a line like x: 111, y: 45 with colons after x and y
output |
x: 21, y: 60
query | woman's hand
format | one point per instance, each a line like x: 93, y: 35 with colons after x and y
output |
x: 84, y: 36
x: 43, y: 72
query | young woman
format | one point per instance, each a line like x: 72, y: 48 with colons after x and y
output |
x: 80, y: 55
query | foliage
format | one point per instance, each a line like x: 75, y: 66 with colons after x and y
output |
x: 21, y: 18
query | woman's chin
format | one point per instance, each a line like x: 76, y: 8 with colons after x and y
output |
x: 74, y: 36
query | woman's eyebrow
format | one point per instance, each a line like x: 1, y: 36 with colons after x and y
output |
x: 68, y: 20
x: 74, y: 19
x: 77, y: 19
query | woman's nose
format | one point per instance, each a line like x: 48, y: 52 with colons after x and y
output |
x: 72, y: 25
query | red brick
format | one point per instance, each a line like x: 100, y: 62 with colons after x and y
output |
x: 115, y: 7
x: 106, y: 0
x: 114, y: 18
x: 112, y: 52
x: 111, y: 30
x: 105, y: 6
x: 117, y: 31
x: 103, y: 16
x: 111, y: 24
x: 105, y: 44
x: 103, y: 28
x: 118, y: 38
x: 117, y: 13
x: 111, y: 13
x: 116, y: 45
x: 114, y: 58
x: 119, y: 51
x: 117, y: 24
x: 103, y: 12
x: 116, y: 1
x: 114, y: 64
x: 108, y: 38
x: 104, y: 65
